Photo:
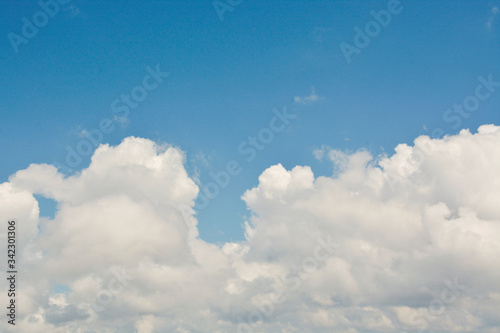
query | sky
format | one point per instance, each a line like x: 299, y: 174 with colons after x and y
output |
x: 226, y: 77
x: 241, y: 131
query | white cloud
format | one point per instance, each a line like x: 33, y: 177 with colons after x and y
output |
x: 312, y: 98
x: 406, y: 226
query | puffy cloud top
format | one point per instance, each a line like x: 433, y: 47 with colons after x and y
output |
x: 400, y: 243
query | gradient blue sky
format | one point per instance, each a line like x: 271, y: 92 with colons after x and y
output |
x: 227, y: 76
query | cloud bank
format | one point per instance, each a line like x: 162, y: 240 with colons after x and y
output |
x: 400, y: 243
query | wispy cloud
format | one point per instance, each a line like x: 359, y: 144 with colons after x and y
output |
x: 494, y: 12
x: 312, y: 98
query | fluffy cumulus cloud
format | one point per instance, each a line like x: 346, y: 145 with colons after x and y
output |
x: 404, y: 243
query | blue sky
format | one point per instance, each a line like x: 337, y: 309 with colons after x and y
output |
x: 226, y: 76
